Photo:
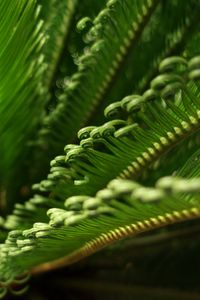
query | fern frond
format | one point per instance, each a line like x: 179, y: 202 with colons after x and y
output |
x: 56, y: 26
x: 123, y: 209
x: 166, y: 114
x: 21, y: 92
x: 59, y: 125
x: 125, y: 22
x: 140, y: 68
x: 125, y: 174
x: 122, y: 148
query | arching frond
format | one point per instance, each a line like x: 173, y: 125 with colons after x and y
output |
x: 77, y: 103
x: 21, y: 69
x: 123, y: 209
x: 121, y: 90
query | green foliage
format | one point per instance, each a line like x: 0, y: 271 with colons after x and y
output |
x: 21, y: 73
x: 116, y: 86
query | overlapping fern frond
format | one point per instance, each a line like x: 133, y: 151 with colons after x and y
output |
x: 120, y: 93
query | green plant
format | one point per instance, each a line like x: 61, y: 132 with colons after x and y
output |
x: 120, y: 93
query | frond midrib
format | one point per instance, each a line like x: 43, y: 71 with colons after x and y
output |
x: 107, y: 239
